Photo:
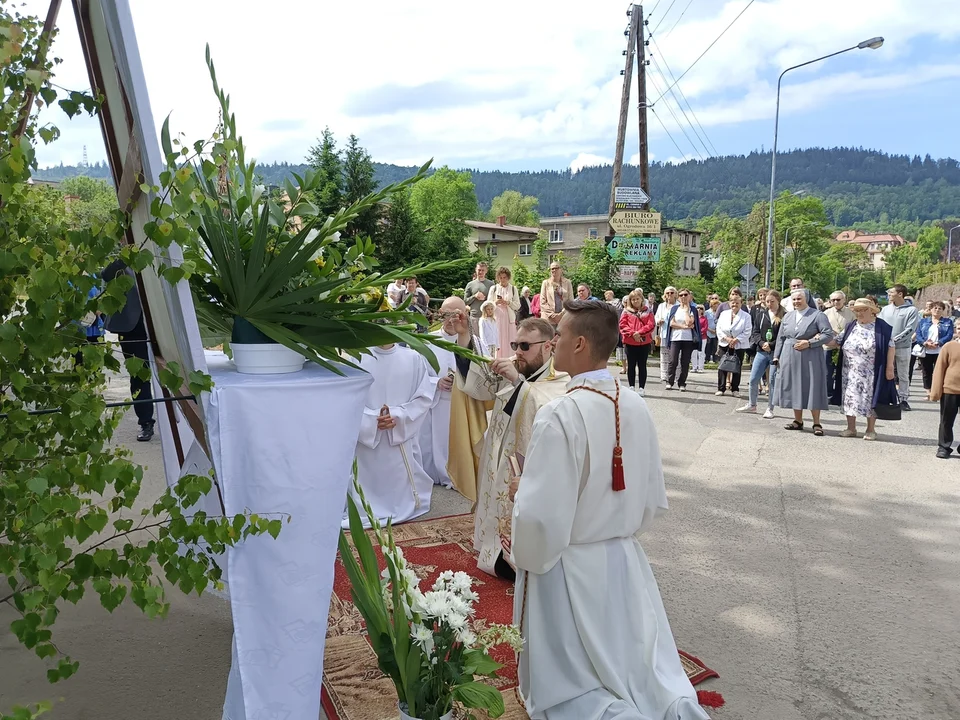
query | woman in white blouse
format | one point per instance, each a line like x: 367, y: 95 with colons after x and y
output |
x: 733, y: 336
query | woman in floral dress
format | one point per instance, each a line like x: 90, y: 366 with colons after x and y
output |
x: 868, y: 358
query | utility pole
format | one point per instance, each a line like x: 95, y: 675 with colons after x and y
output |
x: 634, y: 38
x: 644, y: 161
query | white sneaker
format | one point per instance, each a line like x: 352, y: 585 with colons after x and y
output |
x: 683, y: 388
x: 718, y: 393
x: 640, y: 391
x: 669, y: 387
x: 747, y: 409
x: 768, y: 415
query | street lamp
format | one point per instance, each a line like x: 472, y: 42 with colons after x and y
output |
x: 873, y: 44
x: 950, y: 243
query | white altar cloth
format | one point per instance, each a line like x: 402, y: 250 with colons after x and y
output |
x: 282, y: 444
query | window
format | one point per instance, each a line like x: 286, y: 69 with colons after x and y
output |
x: 685, y: 263
x: 556, y: 236
x: 553, y: 256
x: 592, y: 233
x: 693, y: 241
x: 525, y: 250
x: 493, y: 236
x: 491, y: 250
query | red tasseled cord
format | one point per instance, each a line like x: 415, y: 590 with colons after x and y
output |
x: 711, y: 699
x: 618, y: 483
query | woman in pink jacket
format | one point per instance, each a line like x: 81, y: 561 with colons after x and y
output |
x: 636, y: 328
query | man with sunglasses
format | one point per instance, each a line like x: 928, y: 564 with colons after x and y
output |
x: 518, y: 387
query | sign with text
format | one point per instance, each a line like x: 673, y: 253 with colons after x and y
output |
x: 627, y: 274
x: 635, y: 222
x: 635, y: 249
x: 629, y: 198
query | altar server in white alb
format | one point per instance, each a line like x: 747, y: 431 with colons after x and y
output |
x: 435, y: 436
x: 597, y: 644
x: 389, y: 463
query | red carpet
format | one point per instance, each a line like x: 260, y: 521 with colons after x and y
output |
x: 353, y: 687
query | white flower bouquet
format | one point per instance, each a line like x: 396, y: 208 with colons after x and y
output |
x: 424, y: 641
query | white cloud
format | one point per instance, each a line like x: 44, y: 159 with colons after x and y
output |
x: 532, y: 83
x: 588, y: 160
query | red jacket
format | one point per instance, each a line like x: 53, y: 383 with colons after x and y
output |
x: 703, y: 324
x: 642, y: 323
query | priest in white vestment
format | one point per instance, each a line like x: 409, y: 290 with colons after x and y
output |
x: 519, y: 387
x: 389, y: 463
x: 597, y: 644
x: 435, y: 435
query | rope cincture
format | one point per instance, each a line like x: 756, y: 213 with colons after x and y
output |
x: 617, y: 470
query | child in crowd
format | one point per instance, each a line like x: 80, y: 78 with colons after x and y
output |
x: 489, y: 334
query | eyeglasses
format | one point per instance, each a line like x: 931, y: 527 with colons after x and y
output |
x: 525, y: 345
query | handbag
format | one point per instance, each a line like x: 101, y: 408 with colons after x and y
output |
x: 888, y: 412
x: 918, y: 351
x: 731, y: 363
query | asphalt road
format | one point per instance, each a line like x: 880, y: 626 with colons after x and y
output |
x: 819, y: 576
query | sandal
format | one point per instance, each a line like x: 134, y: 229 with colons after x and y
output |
x: 818, y: 430
x: 794, y: 426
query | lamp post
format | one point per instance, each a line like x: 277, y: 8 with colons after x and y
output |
x: 950, y: 243
x: 873, y: 44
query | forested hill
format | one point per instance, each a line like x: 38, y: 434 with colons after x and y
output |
x: 858, y: 186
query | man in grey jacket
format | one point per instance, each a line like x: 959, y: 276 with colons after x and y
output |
x: 475, y: 295
x: 129, y: 325
x: 903, y: 318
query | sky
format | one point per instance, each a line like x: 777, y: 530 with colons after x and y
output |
x: 529, y: 86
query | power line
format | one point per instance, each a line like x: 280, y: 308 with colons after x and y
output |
x: 677, y: 120
x: 664, y: 16
x: 680, y: 90
x: 709, y: 46
x: 680, y: 105
x: 678, y: 20
x: 667, y: 132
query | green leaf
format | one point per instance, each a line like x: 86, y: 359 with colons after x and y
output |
x: 480, y: 696
x: 37, y: 484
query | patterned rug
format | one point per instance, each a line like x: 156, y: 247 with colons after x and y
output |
x: 353, y: 687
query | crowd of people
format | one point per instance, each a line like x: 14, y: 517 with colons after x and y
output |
x: 505, y: 427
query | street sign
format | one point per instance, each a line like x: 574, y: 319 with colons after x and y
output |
x: 635, y: 222
x: 627, y: 274
x: 748, y: 272
x: 635, y: 249
x: 629, y: 198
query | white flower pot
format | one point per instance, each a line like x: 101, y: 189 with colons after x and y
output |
x: 266, y: 358
x: 404, y: 716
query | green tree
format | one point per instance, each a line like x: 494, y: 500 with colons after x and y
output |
x: 358, y: 182
x: 67, y: 489
x: 401, y: 237
x: 89, y: 200
x: 930, y: 244
x: 325, y: 159
x: 518, y: 209
x: 442, y: 202
x: 595, y: 268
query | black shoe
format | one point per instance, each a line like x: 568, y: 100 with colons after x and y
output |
x: 904, y: 405
x: 145, y: 434
x: 943, y: 454
x: 503, y: 570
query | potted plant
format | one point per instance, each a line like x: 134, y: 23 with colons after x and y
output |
x: 272, y: 280
x: 423, y: 640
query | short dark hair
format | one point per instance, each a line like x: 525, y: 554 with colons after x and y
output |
x: 543, y: 329
x: 901, y: 289
x: 598, y: 322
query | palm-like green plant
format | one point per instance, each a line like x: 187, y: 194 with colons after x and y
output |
x: 271, y: 263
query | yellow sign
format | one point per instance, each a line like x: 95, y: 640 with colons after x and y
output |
x: 635, y: 222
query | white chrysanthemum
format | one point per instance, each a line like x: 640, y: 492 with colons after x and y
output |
x: 459, y: 607
x: 421, y: 634
x: 462, y: 581
x: 467, y: 637
x: 434, y: 604
x: 456, y: 621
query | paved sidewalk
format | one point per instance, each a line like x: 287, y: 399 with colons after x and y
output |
x: 819, y: 576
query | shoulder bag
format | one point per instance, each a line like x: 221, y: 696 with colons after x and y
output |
x: 730, y: 362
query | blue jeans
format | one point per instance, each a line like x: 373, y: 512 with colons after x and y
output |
x: 761, y: 362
